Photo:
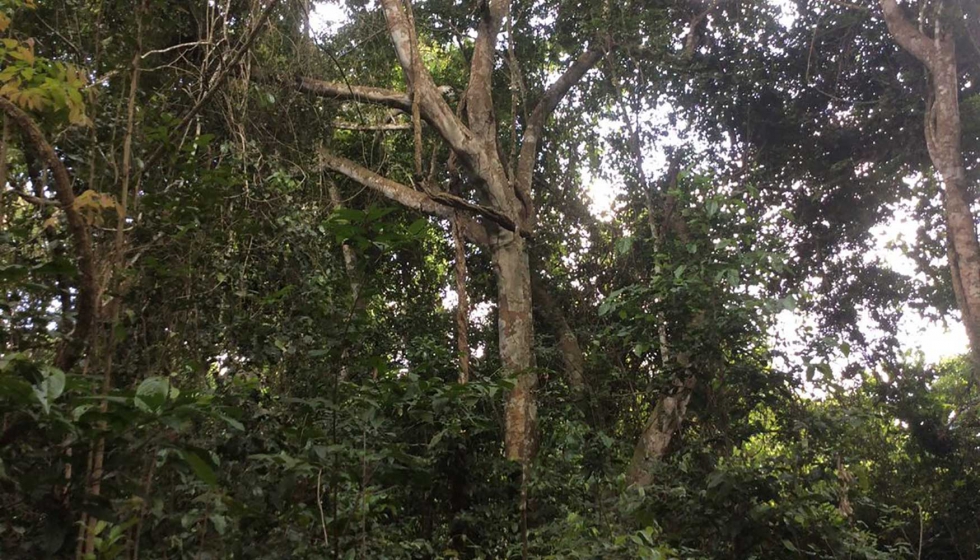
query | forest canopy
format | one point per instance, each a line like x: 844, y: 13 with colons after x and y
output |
x: 489, y: 279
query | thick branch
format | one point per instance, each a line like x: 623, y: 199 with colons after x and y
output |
x: 432, y: 105
x: 402, y: 194
x: 479, y: 104
x: 479, y: 157
x: 906, y: 35
x: 379, y: 127
x: 493, y: 215
x: 87, y: 299
x: 664, y: 422
x: 362, y: 94
x: 535, y: 127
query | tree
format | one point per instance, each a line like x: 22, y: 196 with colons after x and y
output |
x: 507, y: 219
x: 942, y: 133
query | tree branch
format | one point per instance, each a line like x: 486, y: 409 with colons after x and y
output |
x: 378, y: 127
x: 479, y: 156
x: 402, y: 194
x: 535, y: 127
x: 479, y: 104
x: 217, y: 83
x: 35, y: 200
x: 86, y: 307
x: 906, y: 35
x: 362, y: 94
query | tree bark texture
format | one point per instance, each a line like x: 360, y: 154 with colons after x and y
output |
x: 665, y: 420
x: 515, y: 327
x: 943, y: 137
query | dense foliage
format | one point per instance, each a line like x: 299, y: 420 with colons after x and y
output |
x: 213, y: 345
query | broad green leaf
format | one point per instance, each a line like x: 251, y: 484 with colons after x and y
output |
x: 201, y: 468
x: 153, y: 392
x: 50, y: 388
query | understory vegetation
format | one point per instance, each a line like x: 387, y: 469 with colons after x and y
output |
x: 489, y: 279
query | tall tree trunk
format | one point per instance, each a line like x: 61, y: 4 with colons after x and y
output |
x: 943, y: 142
x: 515, y: 327
x: 942, y: 132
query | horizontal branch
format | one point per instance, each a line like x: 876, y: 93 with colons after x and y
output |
x: 344, y: 125
x: 362, y: 94
x: 35, y: 200
x: 402, y: 194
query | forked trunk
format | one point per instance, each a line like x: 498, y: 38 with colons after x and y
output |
x: 516, y: 332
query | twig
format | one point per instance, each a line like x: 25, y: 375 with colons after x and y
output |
x: 218, y: 82
x: 319, y: 505
x: 180, y: 46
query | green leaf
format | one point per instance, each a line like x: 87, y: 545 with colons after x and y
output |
x: 623, y: 245
x: 80, y: 411
x: 231, y: 421
x: 418, y: 226
x: 153, y: 392
x: 436, y: 438
x: 220, y: 523
x: 711, y: 207
x: 201, y: 468
x: 50, y: 388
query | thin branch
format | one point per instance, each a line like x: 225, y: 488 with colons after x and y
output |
x: 35, y: 200
x: 217, y: 83
x: 174, y: 47
x: 462, y: 302
x: 850, y: 6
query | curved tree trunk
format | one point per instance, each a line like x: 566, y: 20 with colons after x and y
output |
x: 943, y: 131
x: 573, y: 361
